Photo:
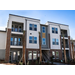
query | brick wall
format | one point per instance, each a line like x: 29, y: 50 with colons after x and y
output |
x: 8, y: 45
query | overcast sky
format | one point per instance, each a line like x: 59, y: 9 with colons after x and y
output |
x: 59, y: 16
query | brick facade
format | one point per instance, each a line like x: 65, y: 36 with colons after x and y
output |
x: 8, y: 45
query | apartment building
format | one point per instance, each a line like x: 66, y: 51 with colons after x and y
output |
x: 22, y: 36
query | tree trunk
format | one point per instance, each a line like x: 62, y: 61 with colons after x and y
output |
x: 64, y: 50
x: 40, y: 48
x: 72, y: 51
x: 24, y: 42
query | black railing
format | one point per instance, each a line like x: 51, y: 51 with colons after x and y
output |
x: 66, y: 46
x: 17, y: 30
x: 16, y: 43
x: 65, y: 35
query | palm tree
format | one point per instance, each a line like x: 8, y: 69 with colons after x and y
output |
x: 64, y: 50
x: 72, y: 50
x: 40, y: 47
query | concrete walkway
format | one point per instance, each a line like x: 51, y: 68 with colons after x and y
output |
x: 57, y: 63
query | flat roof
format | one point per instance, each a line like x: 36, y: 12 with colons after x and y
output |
x: 24, y: 17
x: 2, y: 31
x: 57, y: 23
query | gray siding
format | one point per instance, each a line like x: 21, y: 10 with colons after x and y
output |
x: 2, y: 54
x: 47, y: 38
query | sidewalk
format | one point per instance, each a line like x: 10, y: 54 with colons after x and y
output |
x: 57, y: 63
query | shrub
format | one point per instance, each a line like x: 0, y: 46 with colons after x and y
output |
x: 28, y: 63
x: 36, y: 63
x: 20, y: 63
x: 47, y: 62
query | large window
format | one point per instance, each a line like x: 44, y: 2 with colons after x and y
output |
x: 43, y: 41
x: 30, y: 55
x: 30, y: 26
x: 57, y: 54
x: 12, y: 28
x: 53, y: 41
x: 15, y: 41
x: 30, y: 39
x: 53, y: 54
x: 57, y: 42
x: 11, y: 41
x: 20, y: 29
x: 35, y: 40
x: 54, y: 30
x: 43, y: 29
x: 34, y: 54
x: 35, y: 27
x: 16, y: 28
x: 19, y: 41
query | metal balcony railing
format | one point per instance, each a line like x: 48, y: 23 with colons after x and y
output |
x: 65, y: 35
x: 16, y: 43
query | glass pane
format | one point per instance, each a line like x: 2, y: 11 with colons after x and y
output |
x: 19, y: 39
x: 43, y: 41
x: 30, y: 38
x: 11, y: 39
x: 35, y: 26
x: 34, y: 54
x: 15, y: 39
x: 35, y: 38
x: 30, y: 55
x: 30, y: 25
x: 14, y: 55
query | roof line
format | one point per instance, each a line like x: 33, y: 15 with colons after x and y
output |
x: 23, y: 17
x: 57, y: 23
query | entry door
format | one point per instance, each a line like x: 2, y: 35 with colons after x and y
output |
x: 14, y: 56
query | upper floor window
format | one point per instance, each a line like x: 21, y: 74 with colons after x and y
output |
x: 19, y: 41
x: 16, y: 28
x: 20, y: 28
x: 30, y: 39
x: 30, y: 26
x: 54, y: 30
x: 15, y: 41
x: 43, y: 41
x: 57, y: 42
x: 53, y: 41
x: 11, y: 41
x: 35, y: 39
x: 35, y: 27
x: 43, y: 29
x: 12, y: 28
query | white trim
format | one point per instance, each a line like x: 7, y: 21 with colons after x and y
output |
x: 19, y: 33
x: 64, y: 37
x: 65, y: 48
x: 16, y: 46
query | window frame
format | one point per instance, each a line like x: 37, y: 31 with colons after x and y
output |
x: 30, y: 26
x: 42, y: 41
x: 35, y: 27
x: 30, y: 39
x: 54, y: 41
x: 57, y: 57
x: 31, y: 55
x: 35, y: 40
x: 43, y: 29
x: 54, y: 54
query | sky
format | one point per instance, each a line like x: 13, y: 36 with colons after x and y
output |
x: 59, y: 16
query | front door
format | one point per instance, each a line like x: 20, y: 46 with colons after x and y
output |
x: 14, y: 56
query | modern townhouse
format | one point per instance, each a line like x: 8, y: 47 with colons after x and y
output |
x: 22, y: 37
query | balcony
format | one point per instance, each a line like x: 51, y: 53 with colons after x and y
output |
x: 16, y: 43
